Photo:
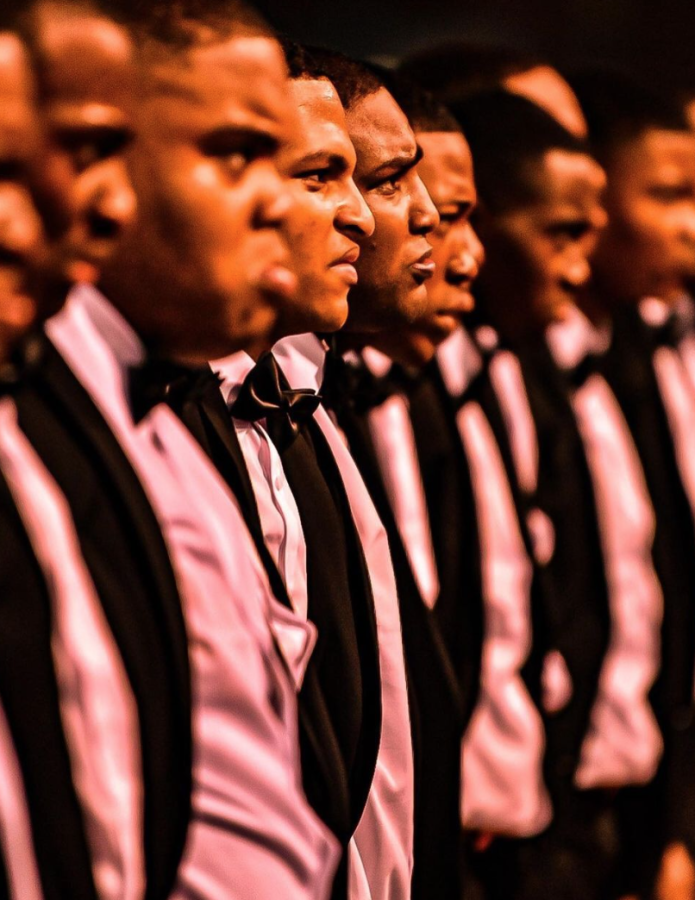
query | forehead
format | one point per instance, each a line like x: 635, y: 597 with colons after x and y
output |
x: 667, y: 154
x: 241, y: 82
x: 379, y: 130
x: 322, y: 125
x: 17, y: 122
x: 447, y: 165
x: 570, y: 179
x: 85, y: 59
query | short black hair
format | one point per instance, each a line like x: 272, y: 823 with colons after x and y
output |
x: 508, y: 136
x: 619, y: 110
x: 353, y: 80
x: 457, y: 69
x: 423, y: 110
x: 180, y: 25
x: 300, y: 61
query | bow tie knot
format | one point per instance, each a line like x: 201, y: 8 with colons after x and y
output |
x: 159, y: 381
x: 266, y: 395
x: 353, y: 386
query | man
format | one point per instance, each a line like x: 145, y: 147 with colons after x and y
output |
x: 376, y: 422
x: 76, y: 409
x: 648, y: 251
x: 32, y: 790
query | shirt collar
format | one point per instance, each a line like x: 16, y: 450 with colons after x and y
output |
x: 233, y: 371
x: 574, y: 338
x: 459, y: 361
x: 302, y: 358
x: 99, y: 346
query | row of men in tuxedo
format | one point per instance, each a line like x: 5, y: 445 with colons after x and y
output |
x: 399, y: 611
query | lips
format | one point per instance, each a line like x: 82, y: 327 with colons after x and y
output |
x: 423, y: 268
x: 345, y: 265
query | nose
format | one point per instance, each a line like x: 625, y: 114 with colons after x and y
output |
x: 274, y: 199
x: 424, y: 217
x: 114, y: 203
x: 688, y: 224
x: 464, y: 265
x: 353, y: 214
x: 577, y: 272
x: 20, y: 225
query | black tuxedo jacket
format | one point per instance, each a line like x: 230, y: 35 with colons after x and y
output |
x: 29, y: 695
x: 435, y: 700
x: 125, y: 553
x: 576, y: 609
x: 629, y: 370
x: 339, y: 703
x: 451, y: 509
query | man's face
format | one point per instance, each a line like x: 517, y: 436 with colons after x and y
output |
x: 538, y: 255
x: 206, y: 270
x: 447, y: 172
x: 396, y: 261
x: 328, y: 215
x: 649, y: 244
x: 22, y: 239
x: 88, y: 94
x: 546, y: 87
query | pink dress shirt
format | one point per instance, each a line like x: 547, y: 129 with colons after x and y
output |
x: 502, y: 754
x: 96, y: 703
x: 252, y: 832
x: 381, y: 868
x: 394, y: 442
x: 623, y: 745
x: 282, y: 525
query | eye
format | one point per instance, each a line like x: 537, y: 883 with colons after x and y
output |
x: 235, y: 162
x: 234, y: 151
x: 87, y: 148
x: 669, y: 193
x: 315, y: 179
x: 389, y: 187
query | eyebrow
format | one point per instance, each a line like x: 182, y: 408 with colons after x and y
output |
x: 400, y: 164
x: 334, y: 160
x: 219, y: 139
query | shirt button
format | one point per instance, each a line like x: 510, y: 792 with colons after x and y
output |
x: 278, y: 482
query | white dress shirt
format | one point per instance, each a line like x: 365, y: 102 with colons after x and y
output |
x: 252, y: 832
x: 393, y: 437
x: 381, y: 867
x: 623, y: 745
x: 96, y: 703
x: 503, y: 790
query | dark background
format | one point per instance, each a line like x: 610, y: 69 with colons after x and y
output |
x: 654, y: 37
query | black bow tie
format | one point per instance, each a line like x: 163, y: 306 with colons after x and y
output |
x: 159, y: 381
x: 670, y: 333
x: 579, y: 374
x: 265, y: 394
x: 352, y: 385
x: 24, y: 361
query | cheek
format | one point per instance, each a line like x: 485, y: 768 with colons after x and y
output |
x: 384, y: 249
x: 308, y: 231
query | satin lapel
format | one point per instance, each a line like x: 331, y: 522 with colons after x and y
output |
x: 365, y: 622
x: 217, y: 421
